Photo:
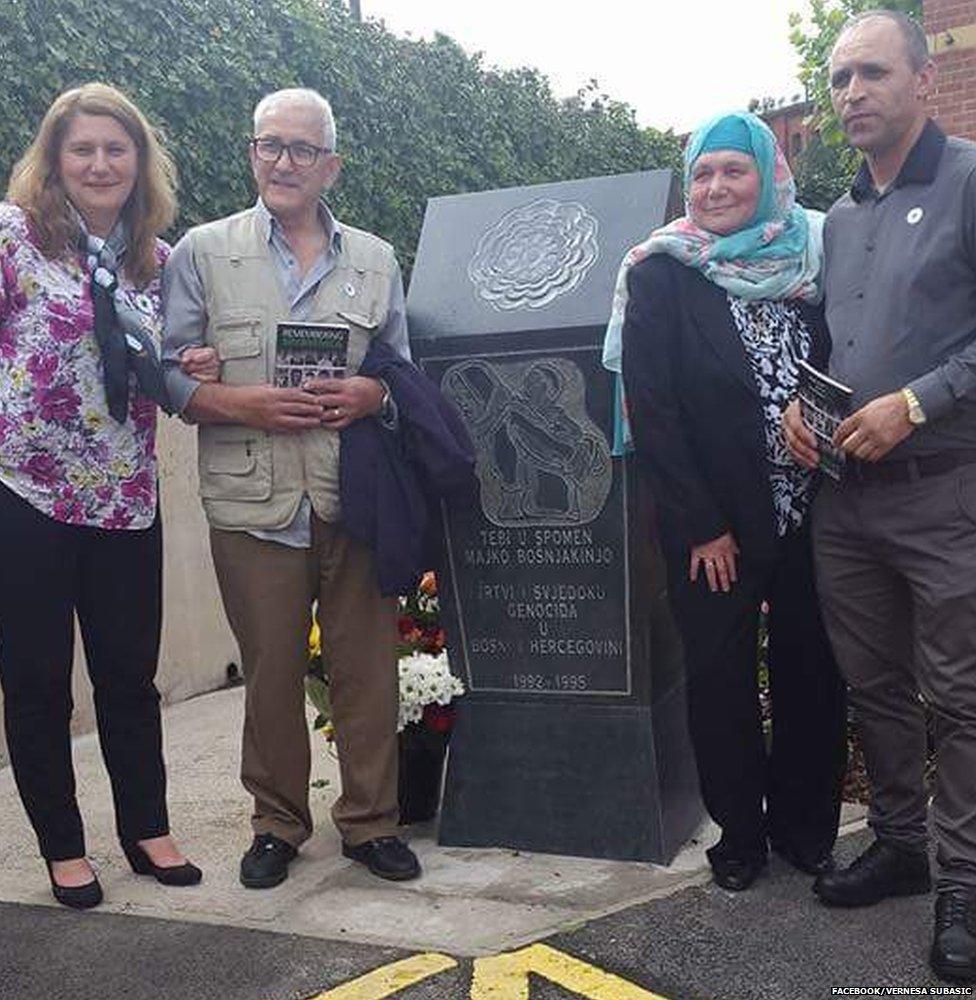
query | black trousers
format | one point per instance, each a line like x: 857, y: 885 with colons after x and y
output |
x: 790, y: 793
x: 113, y: 580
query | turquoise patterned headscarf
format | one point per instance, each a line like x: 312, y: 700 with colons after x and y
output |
x: 778, y: 255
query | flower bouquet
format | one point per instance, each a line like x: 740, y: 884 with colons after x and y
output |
x: 427, y: 693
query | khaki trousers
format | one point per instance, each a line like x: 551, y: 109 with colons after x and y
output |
x: 267, y: 590
x: 896, y: 571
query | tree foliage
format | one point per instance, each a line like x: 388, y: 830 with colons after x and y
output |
x: 824, y: 173
x: 828, y: 164
x: 416, y: 118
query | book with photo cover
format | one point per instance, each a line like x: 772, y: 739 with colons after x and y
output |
x: 309, y: 350
x: 824, y: 403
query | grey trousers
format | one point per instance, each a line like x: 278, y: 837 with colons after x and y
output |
x: 896, y: 571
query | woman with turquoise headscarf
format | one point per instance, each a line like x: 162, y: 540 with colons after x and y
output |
x: 712, y: 314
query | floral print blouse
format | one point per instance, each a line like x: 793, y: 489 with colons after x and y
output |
x: 776, y: 338
x: 59, y: 448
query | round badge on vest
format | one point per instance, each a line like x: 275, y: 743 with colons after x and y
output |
x: 914, y: 216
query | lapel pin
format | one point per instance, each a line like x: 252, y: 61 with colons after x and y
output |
x: 914, y: 216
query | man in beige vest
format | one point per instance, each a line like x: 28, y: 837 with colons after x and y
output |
x: 269, y: 480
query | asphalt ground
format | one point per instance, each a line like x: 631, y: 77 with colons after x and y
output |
x: 771, y: 943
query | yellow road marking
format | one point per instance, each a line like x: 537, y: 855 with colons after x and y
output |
x: 506, y: 977
x: 390, y: 979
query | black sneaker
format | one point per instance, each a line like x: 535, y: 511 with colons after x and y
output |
x: 266, y: 862
x: 953, y: 954
x: 880, y: 872
x: 387, y: 857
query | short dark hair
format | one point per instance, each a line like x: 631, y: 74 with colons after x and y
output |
x: 916, y: 44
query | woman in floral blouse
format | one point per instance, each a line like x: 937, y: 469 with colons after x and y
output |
x: 79, y: 521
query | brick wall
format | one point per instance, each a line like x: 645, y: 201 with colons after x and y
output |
x: 951, y: 28
x: 943, y: 14
x: 791, y: 126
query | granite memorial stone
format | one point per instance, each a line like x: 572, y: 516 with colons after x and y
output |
x: 572, y: 737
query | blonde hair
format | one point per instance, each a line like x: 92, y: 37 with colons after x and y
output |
x: 36, y: 185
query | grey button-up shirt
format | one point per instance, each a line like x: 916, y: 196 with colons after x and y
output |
x: 185, y: 307
x: 900, y: 285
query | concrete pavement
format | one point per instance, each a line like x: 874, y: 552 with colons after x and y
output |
x: 771, y: 943
x: 469, y: 902
x: 331, y: 921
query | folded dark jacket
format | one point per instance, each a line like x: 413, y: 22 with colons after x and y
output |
x: 391, y: 481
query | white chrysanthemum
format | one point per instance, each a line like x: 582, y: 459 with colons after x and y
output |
x: 425, y: 680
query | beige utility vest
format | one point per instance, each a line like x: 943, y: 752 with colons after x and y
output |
x: 251, y: 478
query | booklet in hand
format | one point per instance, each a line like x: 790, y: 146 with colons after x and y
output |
x: 824, y: 403
x: 309, y: 350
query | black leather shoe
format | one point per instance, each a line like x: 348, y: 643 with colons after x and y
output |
x: 142, y: 864
x: 78, y: 897
x: 811, y: 864
x: 736, y: 874
x: 881, y: 871
x: 265, y: 864
x: 387, y: 857
x: 953, y: 954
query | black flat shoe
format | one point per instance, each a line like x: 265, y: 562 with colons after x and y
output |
x: 809, y: 864
x: 736, y: 874
x: 142, y: 864
x: 78, y: 897
x: 387, y: 857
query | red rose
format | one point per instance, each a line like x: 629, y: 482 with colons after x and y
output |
x: 439, y: 718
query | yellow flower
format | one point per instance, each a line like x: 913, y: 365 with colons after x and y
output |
x: 314, y: 641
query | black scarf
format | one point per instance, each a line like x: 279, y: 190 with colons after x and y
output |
x: 124, y: 335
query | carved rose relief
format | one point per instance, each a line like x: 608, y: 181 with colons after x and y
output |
x: 534, y: 254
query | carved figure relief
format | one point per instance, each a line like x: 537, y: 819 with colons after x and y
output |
x: 534, y: 254
x: 540, y: 459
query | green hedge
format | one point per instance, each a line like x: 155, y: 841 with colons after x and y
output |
x: 415, y: 118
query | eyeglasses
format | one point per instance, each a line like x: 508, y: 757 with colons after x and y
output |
x: 301, y: 154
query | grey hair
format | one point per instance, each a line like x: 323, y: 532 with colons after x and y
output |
x: 304, y: 96
x: 912, y: 33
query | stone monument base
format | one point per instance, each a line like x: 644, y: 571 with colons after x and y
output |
x: 591, y: 781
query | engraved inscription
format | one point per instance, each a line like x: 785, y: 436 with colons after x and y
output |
x: 534, y: 254
x: 540, y: 458
x: 543, y: 606
x: 539, y: 565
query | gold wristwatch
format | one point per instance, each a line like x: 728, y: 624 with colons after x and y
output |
x: 916, y: 415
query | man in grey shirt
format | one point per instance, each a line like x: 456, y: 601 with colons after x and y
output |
x: 269, y: 481
x: 895, y: 539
